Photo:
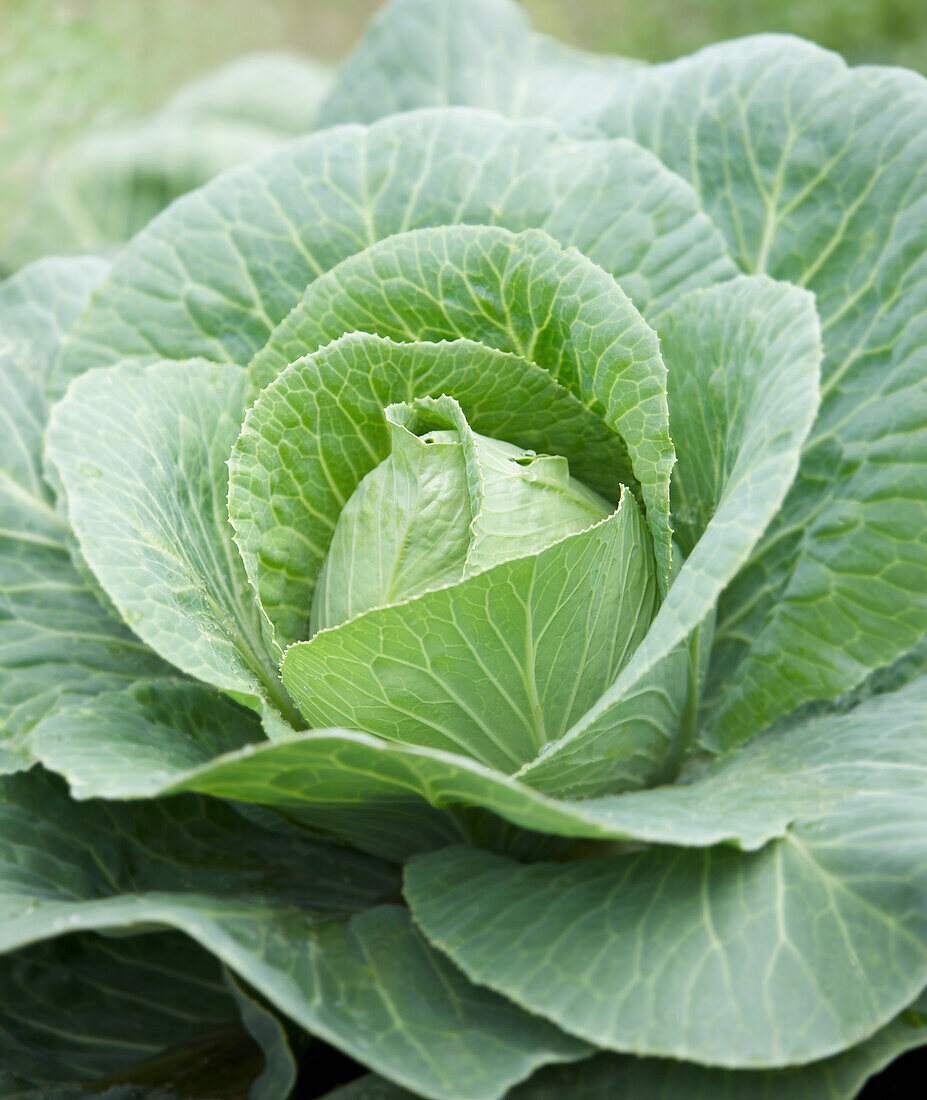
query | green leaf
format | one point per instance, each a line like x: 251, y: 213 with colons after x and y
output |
x: 465, y: 668
x: 474, y: 53
x: 741, y: 959
x: 276, y: 907
x: 142, y: 453
x: 84, y: 1007
x: 405, y: 529
x: 146, y: 740
x: 216, y: 272
x: 105, y: 750
x: 520, y: 293
x: 149, y: 730
x: 895, y: 676
x: 60, y: 858
x: 319, y: 428
x: 278, y: 1076
x: 743, y: 394
x: 605, y: 1076
x: 38, y: 307
x: 816, y: 174
x: 446, y: 504
x: 743, y: 361
x: 57, y: 642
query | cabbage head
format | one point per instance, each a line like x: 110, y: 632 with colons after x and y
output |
x: 463, y: 593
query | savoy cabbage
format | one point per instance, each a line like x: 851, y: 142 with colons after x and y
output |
x: 463, y: 589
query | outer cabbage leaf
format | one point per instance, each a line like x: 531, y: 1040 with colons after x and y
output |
x: 816, y: 175
x: 606, y: 1076
x: 295, y: 917
x: 148, y: 729
x: 144, y: 1008
x: 214, y: 274
x: 474, y: 53
x: 136, y: 742
x: 39, y: 306
x: 277, y: 1078
x: 142, y: 452
x: 743, y: 363
x: 57, y: 642
x: 120, y: 746
x: 758, y: 959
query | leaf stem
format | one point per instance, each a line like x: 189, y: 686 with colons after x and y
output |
x: 689, y: 723
x: 279, y: 696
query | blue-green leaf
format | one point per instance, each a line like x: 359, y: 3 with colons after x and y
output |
x: 474, y: 53
x: 769, y: 958
x: 815, y: 172
x: 296, y: 918
x: 57, y: 642
x: 215, y: 273
x: 607, y: 1076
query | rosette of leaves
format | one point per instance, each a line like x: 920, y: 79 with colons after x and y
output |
x: 468, y: 573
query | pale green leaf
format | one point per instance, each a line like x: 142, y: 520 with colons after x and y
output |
x: 520, y: 293
x: 142, y: 453
x: 405, y: 529
x: 319, y: 428
x: 447, y: 503
x: 498, y: 665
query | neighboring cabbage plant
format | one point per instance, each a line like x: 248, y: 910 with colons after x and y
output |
x: 98, y: 191
x: 464, y: 586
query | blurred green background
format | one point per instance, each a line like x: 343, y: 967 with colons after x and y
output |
x: 70, y: 66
